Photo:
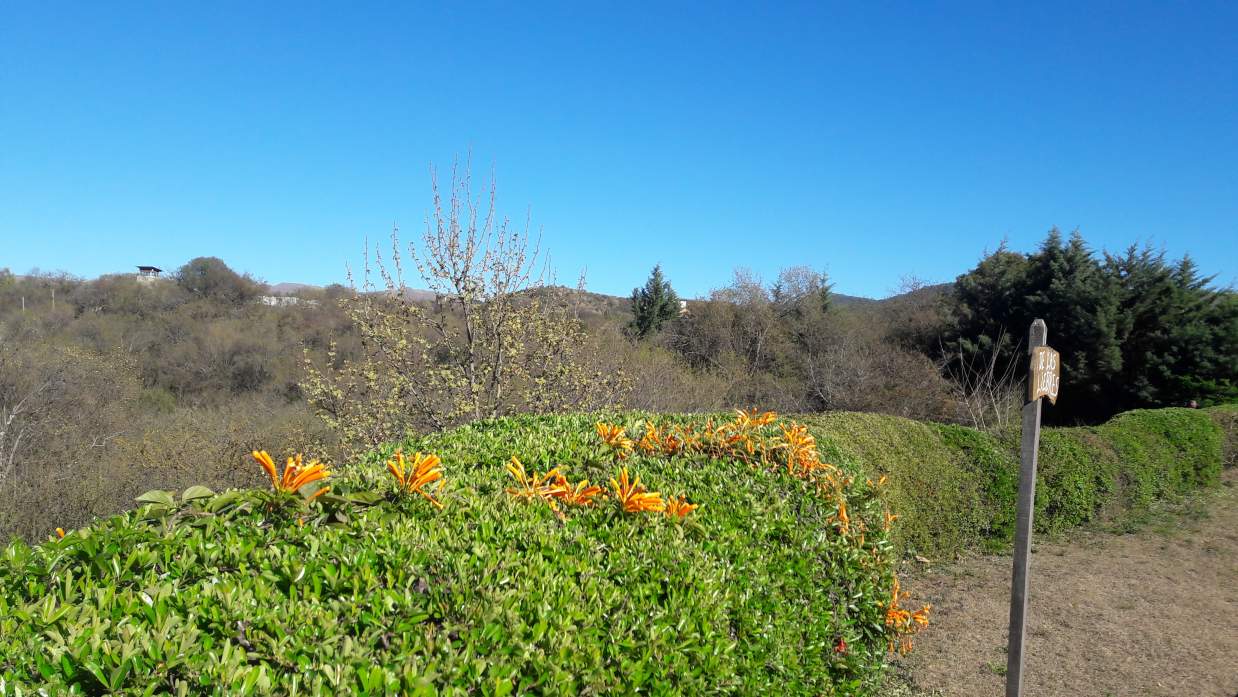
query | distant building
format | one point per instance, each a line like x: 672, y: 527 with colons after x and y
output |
x: 683, y: 307
x: 148, y: 274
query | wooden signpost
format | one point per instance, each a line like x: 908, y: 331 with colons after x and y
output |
x: 1043, y: 377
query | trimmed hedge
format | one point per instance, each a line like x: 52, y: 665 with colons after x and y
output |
x: 766, y: 589
x: 955, y: 488
x: 760, y: 591
x: 1226, y: 418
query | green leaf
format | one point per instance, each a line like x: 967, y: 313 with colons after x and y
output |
x: 96, y: 671
x: 364, y: 498
x: 157, y: 496
x: 196, y: 492
x: 224, y: 501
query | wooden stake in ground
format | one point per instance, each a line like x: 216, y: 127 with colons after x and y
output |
x: 1043, y: 378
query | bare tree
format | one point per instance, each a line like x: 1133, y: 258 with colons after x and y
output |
x: 14, y: 428
x: 485, y: 344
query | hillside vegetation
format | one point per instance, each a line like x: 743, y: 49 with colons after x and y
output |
x: 117, y: 379
x: 782, y: 579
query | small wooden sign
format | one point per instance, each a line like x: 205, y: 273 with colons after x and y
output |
x: 1045, y: 374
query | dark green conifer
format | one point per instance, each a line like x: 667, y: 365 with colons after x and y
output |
x: 653, y: 305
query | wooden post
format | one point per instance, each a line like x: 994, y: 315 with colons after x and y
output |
x: 1037, y: 336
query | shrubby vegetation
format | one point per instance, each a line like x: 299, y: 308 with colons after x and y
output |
x: 954, y: 488
x: 119, y: 376
x: 117, y: 384
x: 789, y: 346
x: 780, y: 580
x: 487, y: 345
x: 748, y: 564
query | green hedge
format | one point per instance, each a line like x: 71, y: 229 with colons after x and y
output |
x: 1226, y: 418
x: 955, y: 488
x: 754, y: 593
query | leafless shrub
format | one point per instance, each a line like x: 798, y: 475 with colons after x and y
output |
x: 989, y: 393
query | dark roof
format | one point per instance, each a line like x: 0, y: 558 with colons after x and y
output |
x: 150, y: 268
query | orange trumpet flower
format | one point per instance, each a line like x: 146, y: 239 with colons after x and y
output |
x: 296, y: 473
x: 633, y: 497
x: 412, y: 477
x: 679, y: 507
x: 613, y: 436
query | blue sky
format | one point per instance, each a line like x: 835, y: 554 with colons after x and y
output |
x: 869, y: 140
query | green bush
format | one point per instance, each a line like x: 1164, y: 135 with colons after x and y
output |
x: 1074, y: 479
x: 1163, y: 453
x: 955, y: 488
x: 940, y: 497
x: 1226, y: 418
x: 751, y: 594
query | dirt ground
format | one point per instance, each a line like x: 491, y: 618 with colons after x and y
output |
x: 1149, y: 613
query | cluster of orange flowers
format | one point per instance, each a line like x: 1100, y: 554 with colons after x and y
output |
x: 412, y: 477
x: 741, y: 438
x: 553, y: 487
x: 794, y: 450
x: 296, y: 473
x: 904, y: 622
x: 615, y: 438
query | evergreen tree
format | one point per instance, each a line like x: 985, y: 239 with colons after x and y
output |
x: 1133, y: 331
x: 653, y: 305
x: 1069, y: 290
x: 1179, y: 337
x: 986, y: 310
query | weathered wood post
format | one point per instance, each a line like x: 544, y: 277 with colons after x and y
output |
x: 1043, y: 375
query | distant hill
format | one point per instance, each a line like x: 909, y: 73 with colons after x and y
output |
x: 926, y: 293
x: 600, y: 305
x: 842, y: 300
x: 291, y: 288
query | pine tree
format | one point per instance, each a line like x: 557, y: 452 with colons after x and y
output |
x: 1179, y: 337
x: 1134, y: 331
x: 1070, y: 291
x: 653, y: 305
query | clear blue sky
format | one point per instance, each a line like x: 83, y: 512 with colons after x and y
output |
x: 867, y: 141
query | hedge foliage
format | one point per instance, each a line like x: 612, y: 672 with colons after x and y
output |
x: 955, y: 488
x: 767, y: 587
x: 761, y: 590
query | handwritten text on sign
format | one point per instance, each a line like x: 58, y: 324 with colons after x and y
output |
x: 1046, y: 374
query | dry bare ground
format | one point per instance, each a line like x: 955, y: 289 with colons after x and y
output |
x: 1149, y: 613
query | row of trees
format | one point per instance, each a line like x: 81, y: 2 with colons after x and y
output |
x: 784, y: 345
x: 198, y: 338
x: 1134, y: 329
x: 111, y: 386
x: 136, y: 382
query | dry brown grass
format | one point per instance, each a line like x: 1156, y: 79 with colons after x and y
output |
x: 1150, y: 613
